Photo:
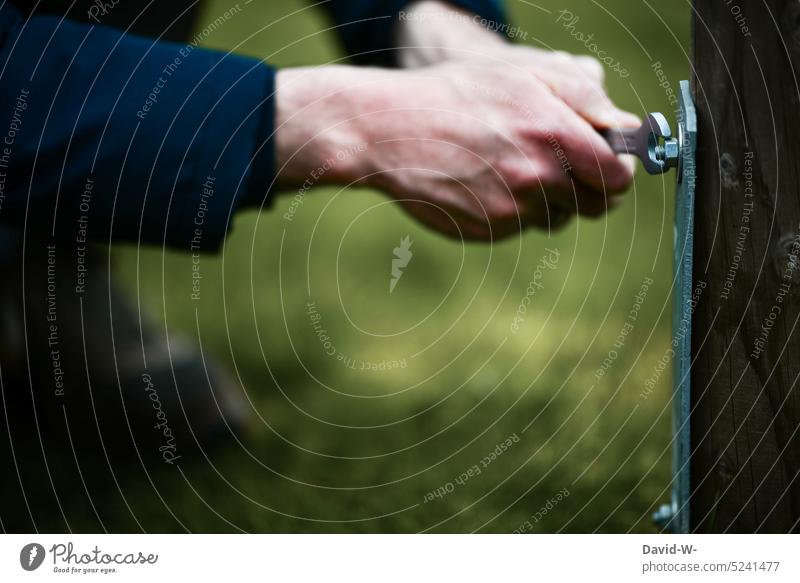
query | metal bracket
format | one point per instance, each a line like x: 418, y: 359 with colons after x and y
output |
x: 659, y: 151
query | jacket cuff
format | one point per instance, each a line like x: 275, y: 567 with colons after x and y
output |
x: 262, y: 166
x: 235, y: 167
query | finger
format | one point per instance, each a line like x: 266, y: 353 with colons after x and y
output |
x: 582, y: 93
x: 494, y: 221
x: 591, y: 159
x: 562, y: 63
x: 538, y: 209
x: 452, y: 222
x: 550, y: 217
x: 553, y: 218
x: 580, y: 200
x: 593, y: 69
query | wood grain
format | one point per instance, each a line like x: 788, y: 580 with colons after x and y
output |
x: 746, y: 330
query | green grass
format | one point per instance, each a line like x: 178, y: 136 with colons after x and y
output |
x: 357, y: 451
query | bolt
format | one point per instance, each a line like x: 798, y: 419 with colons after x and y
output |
x: 664, y: 515
x: 668, y: 152
x: 671, y: 152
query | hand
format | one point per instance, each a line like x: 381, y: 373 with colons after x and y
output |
x: 470, y: 147
x: 431, y: 32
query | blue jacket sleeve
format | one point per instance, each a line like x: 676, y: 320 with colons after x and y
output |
x: 123, y: 138
x: 365, y: 26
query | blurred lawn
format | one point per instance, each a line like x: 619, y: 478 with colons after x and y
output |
x: 350, y: 450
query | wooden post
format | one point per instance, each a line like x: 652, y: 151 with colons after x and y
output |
x: 745, y: 421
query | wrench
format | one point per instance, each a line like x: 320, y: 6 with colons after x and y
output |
x: 645, y: 142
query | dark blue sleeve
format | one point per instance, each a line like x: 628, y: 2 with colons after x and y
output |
x: 365, y: 26
x: 127, y: 139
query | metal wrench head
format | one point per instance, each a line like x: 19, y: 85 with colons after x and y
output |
x: 644, y: 142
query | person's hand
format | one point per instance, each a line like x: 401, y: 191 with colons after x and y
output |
x: 472, y: 148
x: 431, y: 32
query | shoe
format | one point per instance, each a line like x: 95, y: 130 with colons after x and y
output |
x: 92, y: 365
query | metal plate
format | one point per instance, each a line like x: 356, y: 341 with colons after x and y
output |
x: 675, y: 517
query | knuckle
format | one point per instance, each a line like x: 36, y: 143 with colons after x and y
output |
x: 503, y: 210
x: 554, y: 176
x: 496, y: 210
x: 584, y: 91
x: 615, y: 182
x: 592, y: 65
x: 562, y: 57
x: 517, y: 176
x: 544, y: 132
